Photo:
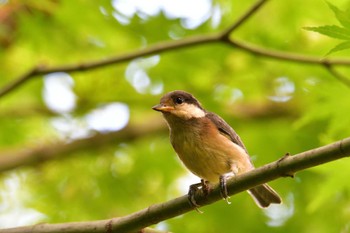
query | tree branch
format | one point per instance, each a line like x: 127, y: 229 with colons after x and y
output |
x: 254, y: 8
x: 30, y: 156
x: 337, y: 75
x: 222, y: 37
x: 155, y: 49
x: 292, y: 57
x: 159, y: 212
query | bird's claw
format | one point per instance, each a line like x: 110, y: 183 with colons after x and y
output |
x: 223, y: 189
x: 204, y: 187
x: 191, y: 193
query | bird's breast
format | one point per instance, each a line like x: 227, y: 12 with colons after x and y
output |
x: 206, y: 152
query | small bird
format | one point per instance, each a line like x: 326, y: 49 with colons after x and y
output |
x: 208, y: 146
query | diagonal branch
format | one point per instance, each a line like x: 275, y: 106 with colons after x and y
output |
x: 169, y: 46
x: 254, y: 8
x: 155, y: 49
x: 286, y: 56
x: 222, y: 37
x: 294, y: 57
x: 342, y: 78
x: 159, y: 212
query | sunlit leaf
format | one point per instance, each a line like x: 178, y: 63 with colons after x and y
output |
x: 331, y: 31
x: 343, y: 17
x: 340, y: 47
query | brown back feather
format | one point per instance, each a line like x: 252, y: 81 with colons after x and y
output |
x: 225, y: 129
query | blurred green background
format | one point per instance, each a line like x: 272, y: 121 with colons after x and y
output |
x: 275, y: 106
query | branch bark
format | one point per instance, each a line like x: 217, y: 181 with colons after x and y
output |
x: 286, y: 56
x: 342, y: 78
x: 222, y: 37
x: 155, y: 49
x: 31, y: 156
x: 254, y: 8
x: 285, y: 166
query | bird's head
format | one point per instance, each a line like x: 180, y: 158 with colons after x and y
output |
x: 180, y: 104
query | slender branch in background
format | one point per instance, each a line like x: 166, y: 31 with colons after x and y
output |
x: 32, y: 156
x: 18, y: 82
x: 286, y: 56
x: 155, y: 49
x: 337, y: 75
x: 222, y: 37
x: 254, y: 8
x: 134, y: 222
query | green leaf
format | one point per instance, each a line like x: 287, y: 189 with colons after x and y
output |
x: 342, y: 16
x: 331, y: 31
x: 339, y: 47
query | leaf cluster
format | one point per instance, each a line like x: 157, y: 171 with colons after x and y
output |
x: 338, y: 32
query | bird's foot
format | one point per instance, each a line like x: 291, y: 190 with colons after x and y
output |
x: 191, y: 193
x: 204, y: 187
x: 223, y: 189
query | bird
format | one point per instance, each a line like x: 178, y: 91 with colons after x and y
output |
x: 208, y: 147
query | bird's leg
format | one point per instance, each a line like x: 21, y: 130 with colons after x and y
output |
x: 223, y: 188
x: 191, y: 192
x: 204, y: 185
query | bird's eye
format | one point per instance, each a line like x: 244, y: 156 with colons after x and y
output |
x: 179, y: 100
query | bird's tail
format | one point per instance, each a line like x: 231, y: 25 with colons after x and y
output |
x: 264, y: 195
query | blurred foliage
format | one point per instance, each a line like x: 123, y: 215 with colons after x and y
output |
x: 275, y: 106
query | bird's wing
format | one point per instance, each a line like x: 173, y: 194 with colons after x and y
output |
x: 225, y: 129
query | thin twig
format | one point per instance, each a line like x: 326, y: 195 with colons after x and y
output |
x: 183, y: 43
x: 286, y: 56
x: 19, y: 81
x: 162, y: 211
x: 155, y: 49
x: 225, y: 34
x: 342, y: 78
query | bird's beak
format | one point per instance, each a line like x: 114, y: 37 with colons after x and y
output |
x: 163, y: 108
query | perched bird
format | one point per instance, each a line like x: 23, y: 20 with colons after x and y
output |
x: 208, y: 146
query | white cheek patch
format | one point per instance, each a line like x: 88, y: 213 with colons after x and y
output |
x: 188, y: 111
